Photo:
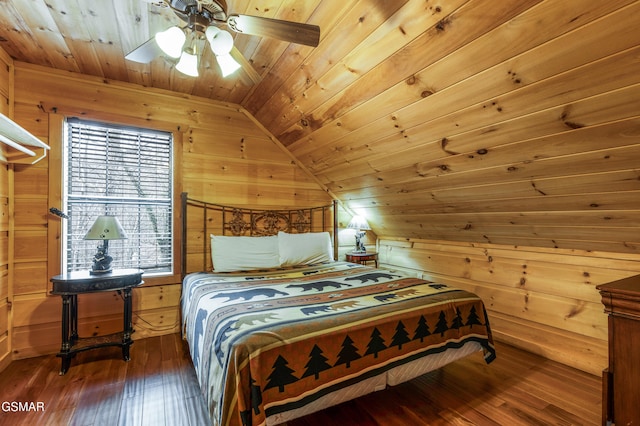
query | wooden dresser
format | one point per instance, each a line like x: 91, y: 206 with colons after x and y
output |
x: 621, y: 380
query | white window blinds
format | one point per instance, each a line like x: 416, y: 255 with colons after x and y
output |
x: 125, y: 172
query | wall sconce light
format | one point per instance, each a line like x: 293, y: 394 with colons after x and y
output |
x: 361, y: 225
x: 105, y: 228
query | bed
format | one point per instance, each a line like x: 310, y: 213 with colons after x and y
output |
x: 274, y: 337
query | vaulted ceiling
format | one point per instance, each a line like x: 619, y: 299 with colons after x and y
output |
x: 510, y: 122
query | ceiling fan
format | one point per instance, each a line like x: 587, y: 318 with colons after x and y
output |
x: 206, y: 21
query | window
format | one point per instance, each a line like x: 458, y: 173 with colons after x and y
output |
x: 125, y: 172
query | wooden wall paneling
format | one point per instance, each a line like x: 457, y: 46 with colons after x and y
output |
x: 5, y: 80
x: 355, y: 22
x: 36, y: 340
x: 554, y: 186
x: 384, y: 154
x: 37, y: 308
x: 374, y: 46
x: 327, y: 16
x: 6, y: 218
x: 250, y: 193
x: 232, y: 142
x: 417, y: 170
x: 402, y: 69
x: 582, y: 352
x: 242, y: 166
x: 54, y: 225
x: 55, y: 47
x: 467, y: 151
x: 512, y: 289
x: 451, y: 88
x: 154, y: 297
x: 543, y: 300
x: 85, y: 95
x: 31, y: 277
x: 234, y: 170
x: 155, y: 322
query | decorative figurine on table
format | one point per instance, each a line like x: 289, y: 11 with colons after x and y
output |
x: 101, y: 261
x: 361, y: 225
x: 360, y: 248
x: 105, y: 228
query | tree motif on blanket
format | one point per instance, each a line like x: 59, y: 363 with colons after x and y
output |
x: 457, y: 320
x: 473, y: 318
x: 283, y: 375
x: 441, y: 325
x: 317, y: 363
x: 376, y: 343
x: 348, y: 353
x: 422, y: 330
x: 401, y: 336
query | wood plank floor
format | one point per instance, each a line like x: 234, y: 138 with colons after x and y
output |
x: 158, y: 387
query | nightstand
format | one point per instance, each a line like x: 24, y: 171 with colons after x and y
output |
x: 363, y: 258
x: 69, y: 285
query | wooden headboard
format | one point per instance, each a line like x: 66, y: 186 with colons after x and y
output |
x: 201, y: 218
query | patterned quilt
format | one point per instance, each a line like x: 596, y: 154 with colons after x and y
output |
x: 265, y: 342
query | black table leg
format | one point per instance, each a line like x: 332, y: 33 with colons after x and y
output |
x: 74, y: 319
x: 128, y: 324
x: 67, y: 301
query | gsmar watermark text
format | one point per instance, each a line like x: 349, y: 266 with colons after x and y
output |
x: 20, y: 406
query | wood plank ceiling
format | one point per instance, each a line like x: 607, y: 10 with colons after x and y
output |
x: 510, y: 122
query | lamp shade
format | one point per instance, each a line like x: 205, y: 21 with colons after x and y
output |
x: 220, y: 41
x: 106, y: 228
x: 188, y: 64
x: 227, y: 64
x: 171, y: 41
x: 359, y: 222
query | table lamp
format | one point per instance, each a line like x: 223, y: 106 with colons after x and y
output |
x: 360, y: 224
x: 105, y: 228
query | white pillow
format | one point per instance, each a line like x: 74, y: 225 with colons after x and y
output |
x: 244, y: 253
x: 302, y: 249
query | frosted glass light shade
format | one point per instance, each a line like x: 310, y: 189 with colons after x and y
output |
x: 171, y: 41
x: 220, y: 41
x: 227, y: 64
x: 188, y: 64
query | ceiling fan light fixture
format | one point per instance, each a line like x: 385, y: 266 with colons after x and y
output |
x: 220, y: 41
x: 227, y: 64
x: 171, y: 41
x: 188, y: 64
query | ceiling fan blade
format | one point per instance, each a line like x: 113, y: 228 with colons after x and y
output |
x: 145, y: 53
x: 293, y: 32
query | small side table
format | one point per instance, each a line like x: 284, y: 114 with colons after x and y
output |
x: 69, y: 285
x: 363, y: 258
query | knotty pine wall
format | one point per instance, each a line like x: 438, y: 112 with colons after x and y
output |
x: 542, y: 300
x: 6, y: 108
x: 222, y: 155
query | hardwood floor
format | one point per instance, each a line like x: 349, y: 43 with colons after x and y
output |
x: 158, y: 387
